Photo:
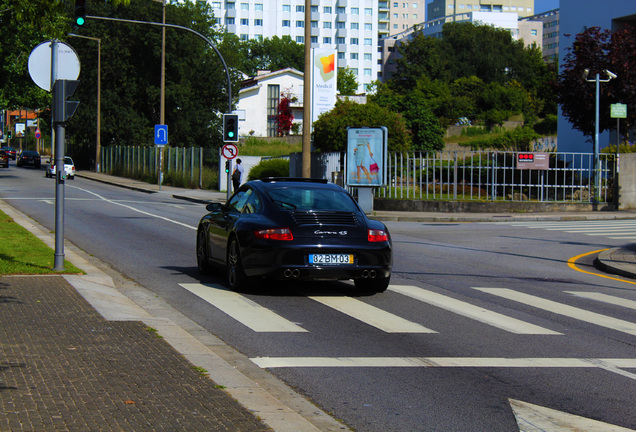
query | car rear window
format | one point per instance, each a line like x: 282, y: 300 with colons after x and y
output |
x: 312, y: 199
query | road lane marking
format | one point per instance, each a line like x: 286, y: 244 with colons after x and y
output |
x: 563, y: 309
x: 572, y: 265
x: 242, y: 309
x: 535, y: 418
x: 445, y: 362
x: 471, y: 311
x: 371, y: 315
x: 617, y: 301
x: 137, y: 210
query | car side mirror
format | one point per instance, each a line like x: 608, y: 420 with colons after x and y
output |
x: 214, y: 207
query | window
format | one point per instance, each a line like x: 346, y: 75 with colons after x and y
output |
x: 258, y: 22
x: 229, y: 21
x: 368, y: 41
x: 368, y: 11
x: 326, y: 9
x: 353, y: 41
x: 314, y: 39
x: 314, y: 24
x: 314, y: 9
x: 395, y: 4
x: 286, y: 8
x: 353, y: 56
x: 368, y: 26
x: 258, y: 6
x: 534, y: 32
x: 340, y: 10
x: 340, y: 40
x: 354, y: 71
x: 216, y: 5
x: 326, y: 24
x: 326, y: 40
x: 244, y: 37
x: 355, y: 11
x: 367, y: 72
x: 245, y: 21
x: 229, y: 5
x: 354, y: 26
x: 300, y: 39
x: 395, y: 15
x: 273, y: 97
x: 341, y: 56
x: 341, y: 24
x: 368, y: 57
x: 414, y: 16
x: 300, y: 9
x: 286, y: 23
x: 245, y: 6
x: 414, y: 5
x: 300, y: 24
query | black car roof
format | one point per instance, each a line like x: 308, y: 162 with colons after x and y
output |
x: 277, y: 182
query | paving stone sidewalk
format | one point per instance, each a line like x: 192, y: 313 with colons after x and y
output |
x: 63, y: 367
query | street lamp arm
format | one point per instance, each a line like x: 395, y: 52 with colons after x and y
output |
x: 227, y: 73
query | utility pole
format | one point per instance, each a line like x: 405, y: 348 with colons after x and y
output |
x: 307, y: 94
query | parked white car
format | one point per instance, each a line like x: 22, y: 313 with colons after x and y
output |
x: 69, y: 168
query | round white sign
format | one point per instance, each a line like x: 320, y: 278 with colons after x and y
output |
x: 68, y: 64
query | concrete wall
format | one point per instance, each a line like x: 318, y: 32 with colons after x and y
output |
x: 627, y: 181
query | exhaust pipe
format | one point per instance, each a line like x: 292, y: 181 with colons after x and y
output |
x: 372, y: 274
x: 365, y: 274
x: 295, y: 273
x: 287, y: 273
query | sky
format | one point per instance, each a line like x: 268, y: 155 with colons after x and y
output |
x: 541, y: 6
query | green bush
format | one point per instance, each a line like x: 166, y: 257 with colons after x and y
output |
x: 270, y: 168
x: 547, y: 126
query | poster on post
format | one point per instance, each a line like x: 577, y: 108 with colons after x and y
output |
x: 367, y: 156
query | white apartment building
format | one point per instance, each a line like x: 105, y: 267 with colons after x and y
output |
x: 349, y: 27
x: 444, y: 8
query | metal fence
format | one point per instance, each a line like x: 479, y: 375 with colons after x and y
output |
x: 487, y: 175
x: 142, y: 162
x: 450, y: 175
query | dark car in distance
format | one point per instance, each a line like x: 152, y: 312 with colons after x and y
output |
x: 4, y: 159
x: 10, y: 152
x: 295, y: 229
x: 29, y: 157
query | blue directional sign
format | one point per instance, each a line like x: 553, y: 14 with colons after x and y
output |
x: 161, y: 135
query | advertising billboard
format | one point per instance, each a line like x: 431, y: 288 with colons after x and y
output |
x: 367, y: 156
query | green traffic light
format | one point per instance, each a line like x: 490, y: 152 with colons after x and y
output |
x: 80, y: 21
x: 230, y: 134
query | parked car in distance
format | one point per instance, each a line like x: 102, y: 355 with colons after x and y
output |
x: 29, y: 157
x: 10, y: 152
x: 291, y: 228
x: 4, y: 159
x: 69, y: 168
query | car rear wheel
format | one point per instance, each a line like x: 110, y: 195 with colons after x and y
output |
x: 236, y: 277
x: 374, y: 285
x: 202, y: 253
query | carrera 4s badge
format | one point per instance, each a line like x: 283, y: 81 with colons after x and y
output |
x: 319, y: 232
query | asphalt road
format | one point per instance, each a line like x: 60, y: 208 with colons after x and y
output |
x: 478, y: 316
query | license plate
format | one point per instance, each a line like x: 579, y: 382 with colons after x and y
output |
x: 330, y: 259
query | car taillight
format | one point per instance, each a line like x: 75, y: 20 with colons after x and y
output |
x: 274, y: 234
x: 378, y: 236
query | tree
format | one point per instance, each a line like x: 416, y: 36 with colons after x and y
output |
x: 330, y: 130
x: 598, y: 50
x: 196, y: 86
x: 269, y: 54
x: 347, y: 81
x: 285, y: 117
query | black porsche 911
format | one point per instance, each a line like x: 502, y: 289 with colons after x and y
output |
x: 294, y: 228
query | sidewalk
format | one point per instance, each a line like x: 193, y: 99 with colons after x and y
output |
x: 80, y: 355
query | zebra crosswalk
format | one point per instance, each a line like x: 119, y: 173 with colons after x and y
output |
x: 613, y: 229
x: 263, y: 320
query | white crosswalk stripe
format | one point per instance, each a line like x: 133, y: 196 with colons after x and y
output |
x: 613, y: 229
x: 563, y: 309
x: 471, y: 311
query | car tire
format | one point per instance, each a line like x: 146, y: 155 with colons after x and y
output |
x: 375, y: 285
x: 203, y: 262
x: 236, y: 277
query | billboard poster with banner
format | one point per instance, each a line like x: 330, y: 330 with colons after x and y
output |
x: 324, y: 82
x: 367, y: 156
